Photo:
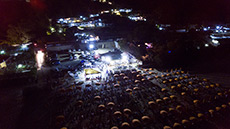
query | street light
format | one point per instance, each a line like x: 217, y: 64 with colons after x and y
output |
x: 24, y: 47
x: 20, y: 66
x: 2, y: 52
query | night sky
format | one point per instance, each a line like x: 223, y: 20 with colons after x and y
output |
x: 162, y: 11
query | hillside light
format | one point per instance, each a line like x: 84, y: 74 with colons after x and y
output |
x: 215, y: 41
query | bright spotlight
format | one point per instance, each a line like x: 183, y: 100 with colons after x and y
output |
x: 40, y: 59
x: 24, y: 47
x: 106, y: 59
x: 215, y: 41
x: 20, y: 66
x: 91, y: 46
x: 2, y: 52
x: 124, y: 57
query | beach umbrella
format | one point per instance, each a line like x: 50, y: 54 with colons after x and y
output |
x: 179, y: 107
x: 170, y: 80
x: 116, y: 75
x: 192, y: 118
x: 176, y: 79
x: 138, y: 75
x: 116, y: 85
x: 162, y: 75
x: 136, y: 122
x: 219, y: 94
x: 143, y: 74
x: 136, y: 88
x: 205, y: 79
x: 146, y: 70
x: 152, y: 104
x: 181, y: 78
x: 164, y: 82
x: 145, y: 119
x: 196, y: 89
x: 182, y: 72
x: 183, y: 93
x: 156, y: 76
x: 98, y: 83
x: 176, y: 125
x: 200, y: 115
x: 79, y: 102
x: 150, y: 68
x: 223, y: 106
x: 159, y: 101
x: 173, y: 97
x: 186, y: 77
x: 163, y: 90
x: 163, y: 112
x: 97, y: 98
x: 127, y: 111
x: 101, y: 106
x: 217, y: 85
x: 172, y: 110
x: 173, y: 87
x: 128, y: 90
x: 143, y: 80
x: 167, y: 127
x: 114, y: 127
x: 137, y: 81
x: 110, y: 104
x: 195, y: 101
x: 166, y: 99
x: 122, y: 74
x: 117, y: 113
x: 212, y: 85
x: 79, y: 83
x: 211, y: 111
x: 125, y: 125
x: 150, y: 78
x: 60, y: 118
x: 126, y: 77
x: 150, y: 73
x: 218, y: 108
x: 78, y: 87
x: 133, y: 72
x: 185, y: 122
x: 87, y: 85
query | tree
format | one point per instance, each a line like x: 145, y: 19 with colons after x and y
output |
x: 17, y: 34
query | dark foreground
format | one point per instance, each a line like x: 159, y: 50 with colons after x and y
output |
x: 128, y: 99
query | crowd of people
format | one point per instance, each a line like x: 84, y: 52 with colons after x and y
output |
x: 142, y: 99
